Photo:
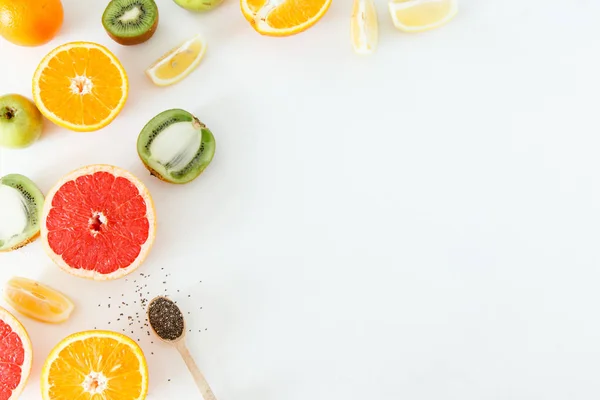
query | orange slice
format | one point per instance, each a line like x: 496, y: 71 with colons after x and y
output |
x: 80, y: 86
x: 37, y: 301
x: 95, y: 365
x: 283, y: 17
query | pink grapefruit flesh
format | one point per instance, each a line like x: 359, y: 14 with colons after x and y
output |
x: 98, y: 222
x: 15, y: 356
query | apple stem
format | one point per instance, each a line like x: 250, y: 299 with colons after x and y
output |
x: 8, y: 113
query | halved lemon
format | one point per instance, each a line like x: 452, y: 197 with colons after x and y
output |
x: 80, y: 86
x: 422, y: 15
x: 283, y: 17
x: 37, y: 301
x: 364, y: 27
x: 178, y: 63
x: 95, y: 365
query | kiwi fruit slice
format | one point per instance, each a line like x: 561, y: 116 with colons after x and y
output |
x: 175, y: 146
x: 130, y: 22
x: 21, y: 211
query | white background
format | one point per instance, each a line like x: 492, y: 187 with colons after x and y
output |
x: 419, y: 224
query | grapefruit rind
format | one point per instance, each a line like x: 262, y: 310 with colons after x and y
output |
x: 56, y: 119
x: 150, y: 214
x: 18, y: 328
x: 125, y: 340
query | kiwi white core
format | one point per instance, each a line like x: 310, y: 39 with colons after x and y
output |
x: 13, y: 215
x: 175, y: 147
x: 131, y: 15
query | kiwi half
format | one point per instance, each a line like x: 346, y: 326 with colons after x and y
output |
x: 21, y: 211
x: 175, y: 146
x: 130, y: 22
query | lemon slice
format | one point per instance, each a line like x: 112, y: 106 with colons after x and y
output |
x: 178, y: 62
x: 364, y: 27
x: 422, y: 15
x: 37, y: 301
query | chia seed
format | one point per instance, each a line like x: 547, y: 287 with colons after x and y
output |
x: 165, y: 318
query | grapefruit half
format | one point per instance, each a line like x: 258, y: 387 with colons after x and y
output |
x: 98, y: 222
x: 15, y: 356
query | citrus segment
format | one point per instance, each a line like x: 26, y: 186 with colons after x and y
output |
x: 81, y: 86
x: 95, y: 365
x: 422, y: 15
x: 37, y: 301
x: 98, y: 222
x: 177, y: 63
x: 364, y: 27
x: 15, y: 356
x: 283, y: 17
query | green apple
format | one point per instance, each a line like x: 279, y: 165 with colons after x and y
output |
x: 20, y: 121
x: 198, y: 5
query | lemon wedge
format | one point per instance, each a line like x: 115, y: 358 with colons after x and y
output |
x: 364, y: 27
x: 422, y: 15
x: 37, y: 301
x: 178, y: 63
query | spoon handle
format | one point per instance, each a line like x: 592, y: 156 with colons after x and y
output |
x: 196, y: 373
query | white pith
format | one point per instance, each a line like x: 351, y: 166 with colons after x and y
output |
x: 81, y: 85
x: 95, y: 383
x: 150, y: 214
x: 13, y: 215
x: 101, y: 218
x: 65, y: 48
x: 178, y: 143
x: 398, y: 5
x: 151, y: 71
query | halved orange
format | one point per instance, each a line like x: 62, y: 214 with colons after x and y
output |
x: 80, y: 86
x: 95, y: 365
x: 283, y: 17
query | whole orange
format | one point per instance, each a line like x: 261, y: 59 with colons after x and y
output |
x: 30, y: 22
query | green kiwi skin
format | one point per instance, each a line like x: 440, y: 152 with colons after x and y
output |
x: 131, y: 41
x: 202, y: 159
x: 35, y: 200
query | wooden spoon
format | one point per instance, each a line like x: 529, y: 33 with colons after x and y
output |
x: 180, y: 345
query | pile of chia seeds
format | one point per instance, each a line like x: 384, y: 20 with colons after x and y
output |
x: 165, y: 318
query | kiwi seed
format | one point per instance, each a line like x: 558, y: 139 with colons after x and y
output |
x: 130, y: 22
